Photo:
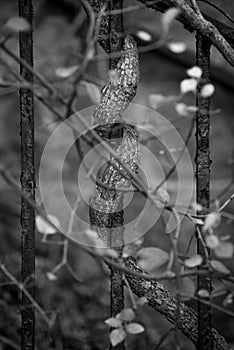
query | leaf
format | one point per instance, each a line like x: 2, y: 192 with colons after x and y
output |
x: 168, y: 17
x: 220, y: 267
x: 194, y: 261
x: 198, y: 221
x: 134, y: 328
x: 113, y: 322
x: 203, y: 293
x: 224, y: 250
x: 195, y: 72
x: 158, y: 100
x: 126, y: 315
x: 152, y: 258
x: 93, y: 92
x: 207, y: 90
x: 162, y: 197
x: 177, y: 47
x: 66, y: 72
x: 144, y: 36
x: 44, y: 227
x: 212, y: 241
x: 17, y: 24
x: 90, y: 53
x: 228, y: 300
x: 182, y: 109
x: 117, y: 336
x: 196, y: 206
x: 187, y: 288
x: 92, y: 234
x: 51, y: 276
x: 188, y: 85
x: 212, y: 220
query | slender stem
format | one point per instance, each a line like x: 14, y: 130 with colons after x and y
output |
x: 203, y: 185
x: 27, y: 181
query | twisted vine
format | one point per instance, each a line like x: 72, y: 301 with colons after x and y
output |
x: 106, y: 205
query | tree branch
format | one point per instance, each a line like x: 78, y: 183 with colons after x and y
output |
x: 162, y: 301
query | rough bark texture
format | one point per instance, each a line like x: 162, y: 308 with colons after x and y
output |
x: 27, y: 180
x: 203, y: 182
x: 162, y: 301
x: 106, y: 213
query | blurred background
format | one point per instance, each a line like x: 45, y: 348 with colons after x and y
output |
x: 81, y: 298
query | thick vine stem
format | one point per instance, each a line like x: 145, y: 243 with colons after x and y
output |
x: 106, y: 206
x: 161, y: 300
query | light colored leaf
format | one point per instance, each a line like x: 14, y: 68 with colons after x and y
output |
x: 117, y: 336
x: 212, y: 220
x: 93, y: 92
x: 194, y: 261
x: 228, y: 300
x: 44, y: 227
x: 91, y: 53
x: 91, y: 234
x: 196, y: 206
x: 158, y: 100
x: 17, y: 24
x: 113, y: 322
x: 207, y: 90
x: 195, y: 72
x: 134, y: 328
x: 198, y: 221
x: 188, y: 85
x: 144, y: 36
x: 51, y: 276
x: 220, y: 267
x: 212, y: 241
x: 126, y: 315
x: 66, y: 72
x: 177, y: 47
x: 168, y: 17
x: 224, y: 250
x: 182, y: 109
x: 203, y: 293
x: 151, y: 258
x: 162, y: 197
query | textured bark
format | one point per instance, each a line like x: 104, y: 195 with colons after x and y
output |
x: 160, y: 299
x: 106, y: 213
x: 27, y: 181
x: 203, y: 163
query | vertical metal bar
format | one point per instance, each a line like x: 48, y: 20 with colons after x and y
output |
x: 27, y: 179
